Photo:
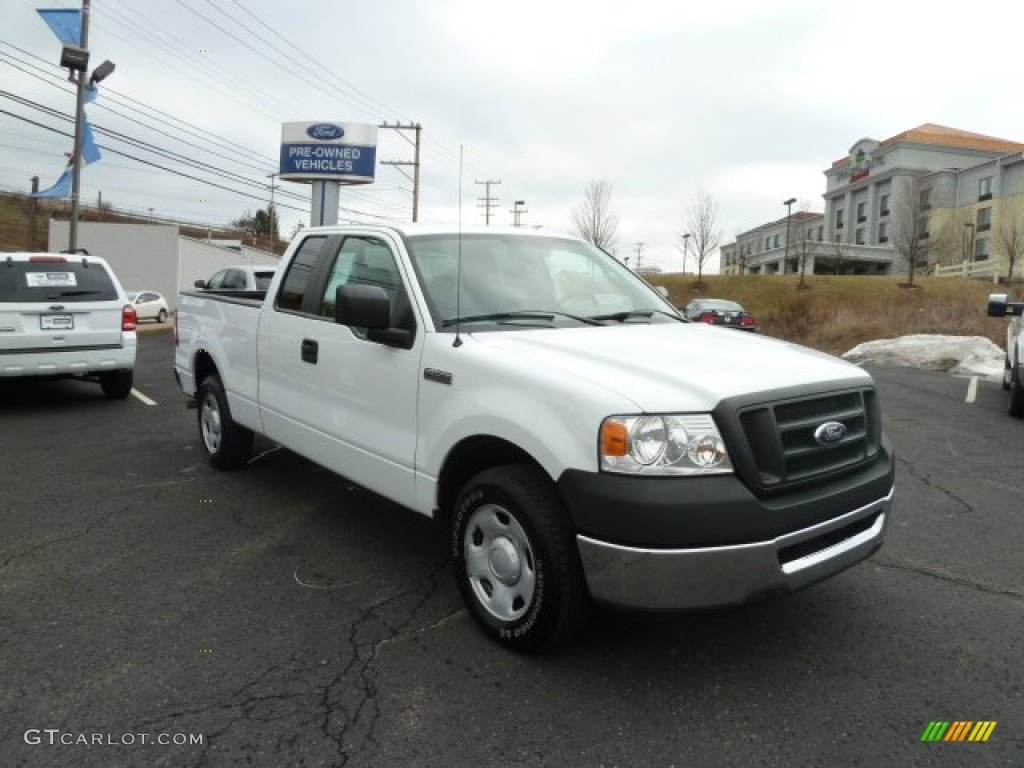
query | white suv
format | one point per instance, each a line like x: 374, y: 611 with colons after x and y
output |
x: 66, y: 315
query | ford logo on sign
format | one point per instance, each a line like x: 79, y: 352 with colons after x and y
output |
x: 830, y: 433
x: 325, y: 131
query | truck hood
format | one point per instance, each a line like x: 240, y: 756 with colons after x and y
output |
x: 670, y: 367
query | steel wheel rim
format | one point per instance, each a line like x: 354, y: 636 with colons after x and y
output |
x: 209, y: 423
x: 500, y: 564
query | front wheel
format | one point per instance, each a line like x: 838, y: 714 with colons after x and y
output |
x: 227, y: 445
x: 162, y: 316
x: 516, y: 561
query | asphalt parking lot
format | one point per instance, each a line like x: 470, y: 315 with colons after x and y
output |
x: 156, y: 612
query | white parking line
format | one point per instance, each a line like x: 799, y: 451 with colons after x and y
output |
x: 972, y: 390
x: 143, y: 398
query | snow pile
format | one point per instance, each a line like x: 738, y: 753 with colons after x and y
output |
x: 970, y: 355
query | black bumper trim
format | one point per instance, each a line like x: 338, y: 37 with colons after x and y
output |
x: 718, y: 510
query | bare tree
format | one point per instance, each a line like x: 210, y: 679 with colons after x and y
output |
x: 911, y: 225
x: 593, y: 218
x: 1009, y: 234
x: 799, y: 234
x: 702, y: 225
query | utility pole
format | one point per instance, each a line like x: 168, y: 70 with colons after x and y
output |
x: 415, y: 163
x: 488, y: 201
x: 33, y: 210
x: 76, y: 156
x: 273, y: 232
x: 517, y: 212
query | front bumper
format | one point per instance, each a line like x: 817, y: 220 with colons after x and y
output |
x: 680, y: 579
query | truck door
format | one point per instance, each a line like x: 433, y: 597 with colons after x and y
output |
x: 327, y: 391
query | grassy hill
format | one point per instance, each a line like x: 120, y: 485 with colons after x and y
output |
x: 833, y: 313
x: 836, y: 313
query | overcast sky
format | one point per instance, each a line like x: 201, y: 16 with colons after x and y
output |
x: 747, y: 100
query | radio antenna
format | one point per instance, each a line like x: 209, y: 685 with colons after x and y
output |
x: 458, y: 266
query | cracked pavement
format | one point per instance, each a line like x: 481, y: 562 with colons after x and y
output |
x: 293, y: 619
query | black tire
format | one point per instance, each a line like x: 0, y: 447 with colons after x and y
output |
x: 117, y: 385
x: 1016, y: 406
x: 516, y: 561
x: 162, y: 317
x: 227, y: 445
x: 1007, y: 373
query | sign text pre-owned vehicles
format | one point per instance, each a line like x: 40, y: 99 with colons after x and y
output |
x: 579, y: 438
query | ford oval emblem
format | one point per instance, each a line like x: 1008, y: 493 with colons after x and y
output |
x: 830, y: 433
x: 325, y: 131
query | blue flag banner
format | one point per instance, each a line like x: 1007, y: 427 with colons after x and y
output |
x: 92, y: 92
x: 90, y: 152
x: 61, y: 189
x: 66, y: 24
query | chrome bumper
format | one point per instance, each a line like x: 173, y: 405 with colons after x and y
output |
x: 679, y: 579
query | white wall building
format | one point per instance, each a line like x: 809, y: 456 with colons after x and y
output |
x: 156, y: 257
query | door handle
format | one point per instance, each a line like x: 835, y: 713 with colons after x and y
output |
x: 310, y: 351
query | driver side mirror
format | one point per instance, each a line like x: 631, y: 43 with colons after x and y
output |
x: 368, y: 306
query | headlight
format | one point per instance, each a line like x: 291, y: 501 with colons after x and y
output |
x: 672, y: 444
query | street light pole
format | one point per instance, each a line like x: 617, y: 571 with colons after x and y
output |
x: 76, y: 152
x: 686, y: 249
x: 785, y: 257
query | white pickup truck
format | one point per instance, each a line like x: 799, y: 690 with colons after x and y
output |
x: 579, y: 438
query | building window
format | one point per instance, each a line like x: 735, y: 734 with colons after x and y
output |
x: 883, y: 232
x: 981, y: 249
x: 777, y: 241
x: 859, y: 239
x: 984, y: 218
x: 926, y: 199
x: 768, y: 243
x: 862, y: 212
x: 922, y: 227
x: 821, y: 233
x: 985, y: 188
x: 883, y: 205
x: 839, y: 218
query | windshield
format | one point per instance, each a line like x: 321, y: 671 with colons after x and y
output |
x: 529, y: 281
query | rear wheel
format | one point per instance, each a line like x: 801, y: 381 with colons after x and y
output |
x: 162, y: 317
x: 227, y: 445
x: 117, y: 385
x: 516, y: 561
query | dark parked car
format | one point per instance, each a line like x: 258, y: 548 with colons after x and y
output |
x: 720, y: 312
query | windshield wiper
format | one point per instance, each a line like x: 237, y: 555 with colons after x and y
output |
x: 523, y: 314
x: 624, y: 316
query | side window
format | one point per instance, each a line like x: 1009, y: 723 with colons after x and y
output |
x: 361, y: 261
x: 300, y: 272
x: 217, y: 281
x: 234, y: 280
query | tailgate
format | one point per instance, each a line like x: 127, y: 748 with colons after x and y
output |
x: 59, y: 326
